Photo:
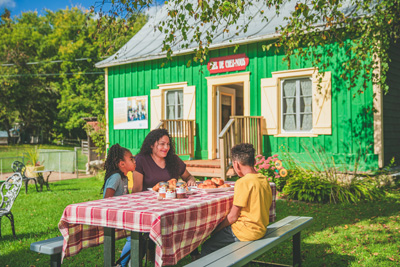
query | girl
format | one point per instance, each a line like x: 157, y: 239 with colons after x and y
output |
x: 119, y: 162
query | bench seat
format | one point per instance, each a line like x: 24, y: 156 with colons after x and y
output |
x: 240, y: 253
x: 52, y: 247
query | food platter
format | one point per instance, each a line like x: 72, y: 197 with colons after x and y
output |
x: 187, y: 192
x: 216, y: 190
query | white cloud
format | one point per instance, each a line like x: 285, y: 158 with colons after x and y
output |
x: 7, y: 3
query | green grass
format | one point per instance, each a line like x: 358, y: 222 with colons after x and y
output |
x: 8, y: 154
x: 364, y: 234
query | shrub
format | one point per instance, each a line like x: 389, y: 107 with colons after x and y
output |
x: 273, y: 169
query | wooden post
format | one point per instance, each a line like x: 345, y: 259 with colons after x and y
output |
x: 222, y: 157
x: 109, y: 247
x: 136, y: 249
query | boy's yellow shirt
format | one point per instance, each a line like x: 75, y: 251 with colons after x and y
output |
x: 253, y: 194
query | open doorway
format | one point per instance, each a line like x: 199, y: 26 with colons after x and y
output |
x: 227, y: 95
x: 229, y: 103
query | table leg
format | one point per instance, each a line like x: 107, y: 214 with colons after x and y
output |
x: 136, y: 247
x: 109, y: 247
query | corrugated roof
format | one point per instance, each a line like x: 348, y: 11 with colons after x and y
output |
x: 147, y: 43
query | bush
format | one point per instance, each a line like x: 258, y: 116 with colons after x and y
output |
x: 309, y: 187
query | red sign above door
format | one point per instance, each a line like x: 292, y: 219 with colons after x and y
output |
x: 228, y: 63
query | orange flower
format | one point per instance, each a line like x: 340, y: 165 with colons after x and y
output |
x: 283, y: 172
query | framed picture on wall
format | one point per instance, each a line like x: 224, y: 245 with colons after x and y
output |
x: 131, y: 113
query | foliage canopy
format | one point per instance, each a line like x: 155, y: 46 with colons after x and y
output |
x: 371, y: 25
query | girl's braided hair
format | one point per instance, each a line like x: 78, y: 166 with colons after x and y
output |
x: 115, y: 154
x: 171, y: 160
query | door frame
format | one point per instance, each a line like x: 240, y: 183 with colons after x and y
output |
x: 212, y: 83
x: 231, y: 93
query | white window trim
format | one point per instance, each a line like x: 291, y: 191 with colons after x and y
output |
x: 271, y: 103
x: 297, y: 107
x: 176, y: 98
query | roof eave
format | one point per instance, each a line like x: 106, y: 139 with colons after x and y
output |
x: 191, y: 50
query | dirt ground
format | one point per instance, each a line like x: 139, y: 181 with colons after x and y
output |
x: 55, y: 176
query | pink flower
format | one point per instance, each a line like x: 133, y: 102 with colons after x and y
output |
x: 258, y: 156
x: 273, y: 168
x: 266, y: 166
x: 269, y: 179
x: 277, y: 176
x: 276, y: 155
x: 269, y: 158
x: 275, y: 159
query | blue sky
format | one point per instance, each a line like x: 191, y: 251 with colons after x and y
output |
x: 19, y: 6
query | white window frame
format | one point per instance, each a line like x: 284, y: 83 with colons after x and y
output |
x: 297, y: 111
x: 176, y: 101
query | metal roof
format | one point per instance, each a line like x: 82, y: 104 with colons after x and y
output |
x: 147, y: 43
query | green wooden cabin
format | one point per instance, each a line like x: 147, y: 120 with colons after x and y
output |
x: 249, y: 95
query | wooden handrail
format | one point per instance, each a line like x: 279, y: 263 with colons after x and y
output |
x: 182, y: 133
x: 239, y: 129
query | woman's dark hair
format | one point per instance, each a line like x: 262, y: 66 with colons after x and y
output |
x: 171, y: 160
x: 115, y: 154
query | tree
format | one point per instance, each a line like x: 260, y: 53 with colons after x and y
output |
x: 48, y: 81
x: 372, y: 25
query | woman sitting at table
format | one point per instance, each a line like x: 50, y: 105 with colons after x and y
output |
x: 157, y: 162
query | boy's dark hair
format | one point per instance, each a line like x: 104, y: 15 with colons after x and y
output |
x: 243, y: 153
x: 115, y: 154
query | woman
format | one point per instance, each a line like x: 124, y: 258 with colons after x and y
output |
x: 157, y: 162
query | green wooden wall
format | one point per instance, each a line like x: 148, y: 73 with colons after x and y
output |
x: 352, y: 139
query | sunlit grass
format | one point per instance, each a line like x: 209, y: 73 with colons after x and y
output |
x: 364, y: 234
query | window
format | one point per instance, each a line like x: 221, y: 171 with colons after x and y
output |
x: 174, y: 105
x: 296, y: 105
x: 172, y: 101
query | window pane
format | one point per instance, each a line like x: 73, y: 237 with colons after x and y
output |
x: 306, y: 122
x: 170, y: 98
x: 180, y: 97
x: 170, y: 112
x: 180, y: 112
x: 289, y: 122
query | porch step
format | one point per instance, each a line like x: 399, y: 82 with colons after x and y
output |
x: 206, y: 168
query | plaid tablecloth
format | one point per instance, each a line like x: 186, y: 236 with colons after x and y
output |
x: 177, y: 226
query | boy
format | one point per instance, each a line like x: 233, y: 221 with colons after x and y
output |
x: 249, y: 215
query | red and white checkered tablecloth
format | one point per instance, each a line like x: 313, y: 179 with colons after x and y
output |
x: 177, y: 226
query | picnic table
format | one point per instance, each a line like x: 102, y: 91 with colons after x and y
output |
x: 177, y: 226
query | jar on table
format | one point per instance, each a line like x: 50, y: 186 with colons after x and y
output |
x: 180, y: 190
x: 163, y: 189
x: 171, y: 193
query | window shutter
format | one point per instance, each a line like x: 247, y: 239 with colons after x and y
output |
x: 322, y: 105
x: 269, y: 105
x: 155, y: 107
x: 189, y: 103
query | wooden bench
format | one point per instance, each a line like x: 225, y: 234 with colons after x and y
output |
x: 52, y: 247
x: 240, y: 253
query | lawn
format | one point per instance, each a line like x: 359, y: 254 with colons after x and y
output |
x: 9, y: 154
x: 364, y: 234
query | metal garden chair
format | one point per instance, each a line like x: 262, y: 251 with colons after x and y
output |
x: 18, y: 166
x: 9, y: 191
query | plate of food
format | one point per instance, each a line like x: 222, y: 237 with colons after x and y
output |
x: 215, y: 185
x: 172, y: 184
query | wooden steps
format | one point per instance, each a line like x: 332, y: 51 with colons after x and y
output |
x: 206, y: 168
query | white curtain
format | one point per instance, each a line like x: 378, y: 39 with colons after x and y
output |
x: 180, y: 105
x: 289, y: 105
x: 306, y: 104
x: 171, y: 105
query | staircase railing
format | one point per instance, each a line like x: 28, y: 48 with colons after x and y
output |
x: 182, y: 132
x: 239, y: 129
